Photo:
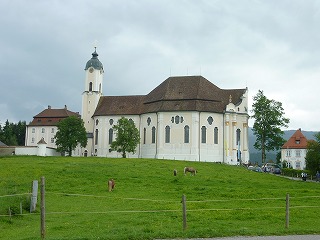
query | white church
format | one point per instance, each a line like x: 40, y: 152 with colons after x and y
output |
x: 184, y: 118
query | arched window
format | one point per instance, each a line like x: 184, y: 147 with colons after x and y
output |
x: 238, y: 145
x: 203, y: 134
x: 215, y: 135
x: 153, y: 135
x: 238, y: 136
x: 177, y: 119
x: 186, y: 134
x: 97, y: 136
x: 90, y: 86
x: 144, y: 135
x: 110, y: 135
x: 167, y: 135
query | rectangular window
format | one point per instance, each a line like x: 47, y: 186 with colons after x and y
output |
x: 52, y: 140
x: 33, y: 130
x: 298, y: 153
x: 52, y: 130
x: 288, y: 153
x: 32, y: 140
x: 144, y: 135
x: 43, y: 130
x: 297, y: 165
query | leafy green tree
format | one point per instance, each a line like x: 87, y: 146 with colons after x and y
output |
x: 127, y: 137
x: 71, y: 132
x: 269, y: 119
x: 313, y: 155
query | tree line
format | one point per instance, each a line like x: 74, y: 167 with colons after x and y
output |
x: 13, y: 134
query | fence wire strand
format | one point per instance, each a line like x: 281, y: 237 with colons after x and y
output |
x: 161, y: 200
x: 14, y: 195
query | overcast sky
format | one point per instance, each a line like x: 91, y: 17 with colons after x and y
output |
x: 271, y: 45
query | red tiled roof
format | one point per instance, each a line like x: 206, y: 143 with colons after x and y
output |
x: 50, y: 117
x: 188, y: 93
x: 296, y: 141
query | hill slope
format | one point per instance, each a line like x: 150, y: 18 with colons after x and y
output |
x: 222, y: 200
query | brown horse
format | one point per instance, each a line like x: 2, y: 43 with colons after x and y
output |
x: 111, y: 184
x: 191, y: 170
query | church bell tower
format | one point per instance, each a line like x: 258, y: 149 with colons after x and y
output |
x: 91, y: 95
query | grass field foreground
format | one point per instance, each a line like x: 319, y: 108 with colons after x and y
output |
x: 146, y: 203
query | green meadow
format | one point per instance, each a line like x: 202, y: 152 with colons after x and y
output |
x: 221, y: 200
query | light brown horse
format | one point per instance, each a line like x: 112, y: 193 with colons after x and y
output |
x: 111, y: 184
x: 191, y: 170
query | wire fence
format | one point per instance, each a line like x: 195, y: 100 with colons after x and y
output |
x: 43, y: 213
x: 166, y: 201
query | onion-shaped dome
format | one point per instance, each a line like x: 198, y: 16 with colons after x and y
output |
x: 94, y: 62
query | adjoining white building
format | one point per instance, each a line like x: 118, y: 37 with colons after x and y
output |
x: 184, y: 118
x: 294, y: 151
x: 44, y: 126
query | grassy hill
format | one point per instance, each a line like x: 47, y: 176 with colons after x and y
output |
x: 146, y: 203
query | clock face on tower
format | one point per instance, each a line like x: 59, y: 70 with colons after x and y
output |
x: 91, y: 70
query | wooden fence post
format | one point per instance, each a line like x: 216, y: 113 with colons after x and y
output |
x: 42, y: 209
x: 184, y: 212
x: 287, y: 211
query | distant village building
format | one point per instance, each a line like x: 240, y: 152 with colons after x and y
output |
x: 44, y: 126
x: 184, y: 118
x: 294, y: 151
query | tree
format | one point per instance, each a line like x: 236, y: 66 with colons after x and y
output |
x: 70, y: 133
x: 313, y: 155
x: 19, y: 130
x: 7, y: 134
x: 127, y: 137
x: 269, y: 119
x: 13, y: 134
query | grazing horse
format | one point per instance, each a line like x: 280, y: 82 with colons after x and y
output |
x: 191, y: 170
x: 111, y: 184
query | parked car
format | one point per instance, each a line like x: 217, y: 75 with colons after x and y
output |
x: 271, y: 168
x: 255, y: 168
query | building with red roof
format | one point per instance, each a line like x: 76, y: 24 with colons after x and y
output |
x: 44, y: 126
x: 294, y: 151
